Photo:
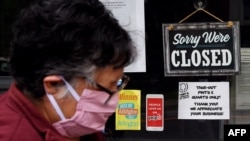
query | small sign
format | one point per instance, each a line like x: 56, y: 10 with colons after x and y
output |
x: 128, y: 111
x: 203, y: 100
x: 154, y: 112
x: 245, y: 55
x: 201, y: 49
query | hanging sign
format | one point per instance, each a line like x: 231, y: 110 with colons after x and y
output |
x: 203, y: 100
x: 201, y: 49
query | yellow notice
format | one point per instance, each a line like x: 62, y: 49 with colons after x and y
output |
x: 128, y: 111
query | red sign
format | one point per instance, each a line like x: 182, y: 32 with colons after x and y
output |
x: 154, y: 112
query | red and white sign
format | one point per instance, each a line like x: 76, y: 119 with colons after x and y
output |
x: 154, y: 112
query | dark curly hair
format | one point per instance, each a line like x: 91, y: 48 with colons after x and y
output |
x: 66, y: 37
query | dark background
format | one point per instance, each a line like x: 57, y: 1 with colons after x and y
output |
x: 153, y: 80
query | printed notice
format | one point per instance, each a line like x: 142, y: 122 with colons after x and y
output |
x: 128, y: 114
x: 245, y: 55
x: 203, y: 100
x: 130, y: 14
x: 242, y: 96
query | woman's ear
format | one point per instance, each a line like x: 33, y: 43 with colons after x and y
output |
x: 50, y: 84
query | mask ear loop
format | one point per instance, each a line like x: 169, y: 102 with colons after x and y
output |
x: 54, y: 103
x: 71, y: 90
x: 56, y: 106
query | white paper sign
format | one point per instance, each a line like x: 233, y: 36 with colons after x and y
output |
x: 203, y: 100
x: 130, y: 14
x: 242, y: 96
x: 245, y: 55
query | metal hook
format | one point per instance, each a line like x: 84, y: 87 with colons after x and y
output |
x: 200, y: 4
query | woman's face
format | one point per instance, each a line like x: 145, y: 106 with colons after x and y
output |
x: 106, y: 77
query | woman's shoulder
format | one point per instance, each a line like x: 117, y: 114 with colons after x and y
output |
x: 14, y: 127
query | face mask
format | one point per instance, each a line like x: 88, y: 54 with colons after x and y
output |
x: 91, y: 113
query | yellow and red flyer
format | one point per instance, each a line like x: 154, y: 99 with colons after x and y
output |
x: 128, y: 111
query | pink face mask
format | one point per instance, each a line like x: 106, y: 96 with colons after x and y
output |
x: 91, y: 112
